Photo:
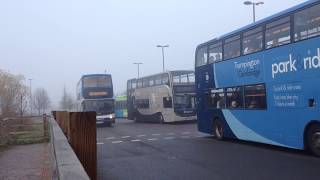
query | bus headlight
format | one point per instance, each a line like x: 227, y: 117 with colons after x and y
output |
x: 111, y: 116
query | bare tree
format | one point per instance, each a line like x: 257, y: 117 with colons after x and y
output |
x: 22, y: 100
x: 41, y: 101
x: 10, y: 86
x: 67, y: 101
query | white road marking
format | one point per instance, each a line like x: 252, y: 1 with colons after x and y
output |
x: 168, y: 138
x: 153, y: 139
x: 186, y: 132
x: 135, y: 140
x: 185, y: 137
x: 116, y: 142
x: 99, y: 143
x: 141, y: 135
x: 109, y: 138
x: 125, y: 137
x: 198, y: 136
x: 156, y: 134
x: 170, y: 134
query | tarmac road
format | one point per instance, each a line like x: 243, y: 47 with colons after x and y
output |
x: 144, y: 151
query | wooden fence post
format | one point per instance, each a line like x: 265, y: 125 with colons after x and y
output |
x: 62, y: 118
x: 83, y: 140
x: 54, y: 114
x: 45, y: 126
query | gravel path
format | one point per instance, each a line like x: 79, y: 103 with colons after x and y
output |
x: 26, y: 162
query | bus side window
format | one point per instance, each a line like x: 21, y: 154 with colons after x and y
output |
x: 255, y: 97
x: 232, y: 47
x: 167, y: 102
x: 307, y: 23
x: 165, y: 79
x: 235, y: 97
x: 202, y: 56
x: 142, y: 103
x: 216, y: 100
x: 252, y: 41
x: 157, y: 80
x: 215, y: 52
x: 278, y: 33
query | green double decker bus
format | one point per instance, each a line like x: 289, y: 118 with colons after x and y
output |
x: 121, y: 107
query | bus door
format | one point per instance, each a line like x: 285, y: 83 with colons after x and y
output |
x: 204, y: 83
x: 167, y: 107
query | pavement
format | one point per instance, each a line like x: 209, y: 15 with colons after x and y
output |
x: 26, y: 162
x: 151, y: 151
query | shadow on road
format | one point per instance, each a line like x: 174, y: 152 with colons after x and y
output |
x: 264, y: 146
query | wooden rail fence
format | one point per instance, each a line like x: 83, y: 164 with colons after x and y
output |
x: 23, y: 130
x: 80, y: 130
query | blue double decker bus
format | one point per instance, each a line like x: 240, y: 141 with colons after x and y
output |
x: 260, y: 83
x: 95, y: 93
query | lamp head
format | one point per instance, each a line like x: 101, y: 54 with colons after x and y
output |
x: 247, y: 3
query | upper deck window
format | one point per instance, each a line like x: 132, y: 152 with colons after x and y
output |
x: 232, y: 47
x: 215, y: 52
x: 252, y: 41
x: 151, y: 82
x: 278, y: 33
x: 183, y: 78
x: 97, y: 81
x: 307, y: 23
x: 134, y: 85
x: 145, y: 82
x: 176, y: 79
x: 191, y: 78
x: 139, y: 83
x: 158, y: 80
x: 202, y: 56
x: 165, y: 79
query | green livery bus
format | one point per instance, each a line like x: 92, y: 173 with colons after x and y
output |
x: 121, y: 107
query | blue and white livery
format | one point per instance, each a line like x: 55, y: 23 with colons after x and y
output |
x: 261, y: 82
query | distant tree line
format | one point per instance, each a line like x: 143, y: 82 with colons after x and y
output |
x: 67, y: 102
x: 15, y: 96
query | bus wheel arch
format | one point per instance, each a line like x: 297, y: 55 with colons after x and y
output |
x: 160, y: 118
x: 312, y: 137
x: 218, y: 128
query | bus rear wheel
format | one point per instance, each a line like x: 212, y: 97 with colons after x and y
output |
x: 218, y: 129
x: 160, y: 118
x: 313, y: 139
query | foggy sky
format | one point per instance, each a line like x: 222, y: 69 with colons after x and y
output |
x: 55, y: 42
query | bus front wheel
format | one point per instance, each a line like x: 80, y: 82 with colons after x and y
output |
x: 218, y: 129
x: 313, y: 139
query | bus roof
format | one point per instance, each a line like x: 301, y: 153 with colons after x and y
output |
x: 90, y: 75
x: 181, y: 72
x: 175, y: 72
x: 252, y: 25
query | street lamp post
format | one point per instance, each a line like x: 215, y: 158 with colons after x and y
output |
x: 138, y: 65
x: 162, y: 47
x: 254, y: 4
x: 30, y: 81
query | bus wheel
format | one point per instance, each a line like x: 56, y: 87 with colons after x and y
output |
x: 313, y: 139
x: 135, y: 119
x: 160, y: 118
x: 218, y: 129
